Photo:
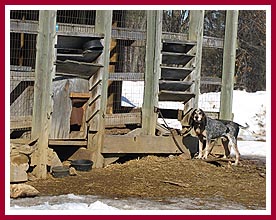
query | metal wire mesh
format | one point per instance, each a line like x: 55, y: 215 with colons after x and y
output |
x: 127, y: 64
x: 22, y: 61
x: 22, y: 66
x: 176, y: 21
x: 76, y: 21
x: 127, y: 54
x: 23, y: 33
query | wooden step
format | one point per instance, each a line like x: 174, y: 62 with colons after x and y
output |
x: 77, y: 69
x: 174, y: 85
x: 176, y: 96
x: 176, y: 58
x: 175, y: 73
x: 177, y: 46
x: 87, y: 56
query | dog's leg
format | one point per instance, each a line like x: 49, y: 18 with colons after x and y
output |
x: 233, y: 142
x: 226, y: 146
x: 207, y: 149
x: 200, y: 145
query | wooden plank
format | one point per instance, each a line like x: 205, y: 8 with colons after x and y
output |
x: 212, y: 42
x: 67, y: 142
x: 78, y: 30
x: 127, y: 34
x: 142, y: 144
x: 93, y: 109
x: 79, y: 95
x: 19, y: 122
x: 75, y: 68
x: 174, y: 36
x: 20, y: 141
x: 123, y: 119
x: 22, y: 76
x: 210, y: 81
x: 126, y: 76
x: 31, y: 27
x: 95, y: 94
x: 95, y: 80
x: 175, y: 73
x: 27, y: 26
x: 176, y: 96
x: 176, y: 58
x: 177, y: 46
x: 174, y: 85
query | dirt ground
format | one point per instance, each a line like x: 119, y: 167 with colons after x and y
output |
x: 158, y: 178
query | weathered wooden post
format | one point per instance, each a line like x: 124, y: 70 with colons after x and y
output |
x: 152, y: 71
x: 99, y: 82
x: 44, y: 73
x: 196, y: 34
x: 229, y: 58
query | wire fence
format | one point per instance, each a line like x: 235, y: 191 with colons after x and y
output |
x: 127, y: 55
x: 127, y: 61
x: 22, y: 61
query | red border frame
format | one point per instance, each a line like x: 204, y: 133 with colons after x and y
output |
x: 121, y: 2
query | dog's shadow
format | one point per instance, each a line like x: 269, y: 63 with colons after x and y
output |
x: 216, y: 163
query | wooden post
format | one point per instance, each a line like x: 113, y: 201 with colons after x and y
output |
x: 152, y: 71
x: 103, y: 25
x: 229, y: 58
x: 44, y: 72
x: 196, y: 34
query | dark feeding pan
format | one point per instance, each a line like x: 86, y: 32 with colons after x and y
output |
x: 93, y: 45
x: 60, y: 171
x: 82, y: 165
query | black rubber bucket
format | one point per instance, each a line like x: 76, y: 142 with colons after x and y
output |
x: 82, y: 165
x: 60, y: 171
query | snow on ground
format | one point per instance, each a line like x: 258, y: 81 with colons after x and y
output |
x: 248, y: 108
x: 93, y: 203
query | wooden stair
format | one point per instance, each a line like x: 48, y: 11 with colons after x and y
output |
x: 175, y: 56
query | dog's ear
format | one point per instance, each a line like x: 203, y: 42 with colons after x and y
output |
x: 191, y: 119
x: 204, y: 117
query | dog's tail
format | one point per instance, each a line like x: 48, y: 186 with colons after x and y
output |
x: 244, y: 127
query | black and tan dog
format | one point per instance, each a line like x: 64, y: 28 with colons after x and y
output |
x: 209, y: 129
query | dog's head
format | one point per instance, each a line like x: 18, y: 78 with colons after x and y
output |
x: 197, y: 117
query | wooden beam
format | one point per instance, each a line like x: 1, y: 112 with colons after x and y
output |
x: 123, y: 119
x: 126, y: 76
x: 31, y: 27
x: 228, y: 69
x: 152, y: 71
x: 19, y: 122
x: 196, y: 34
x: 67, y: 142
x: 103, y: 24
x: 45, y: 71
x: 142, y: 144
x: 210, y: 81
